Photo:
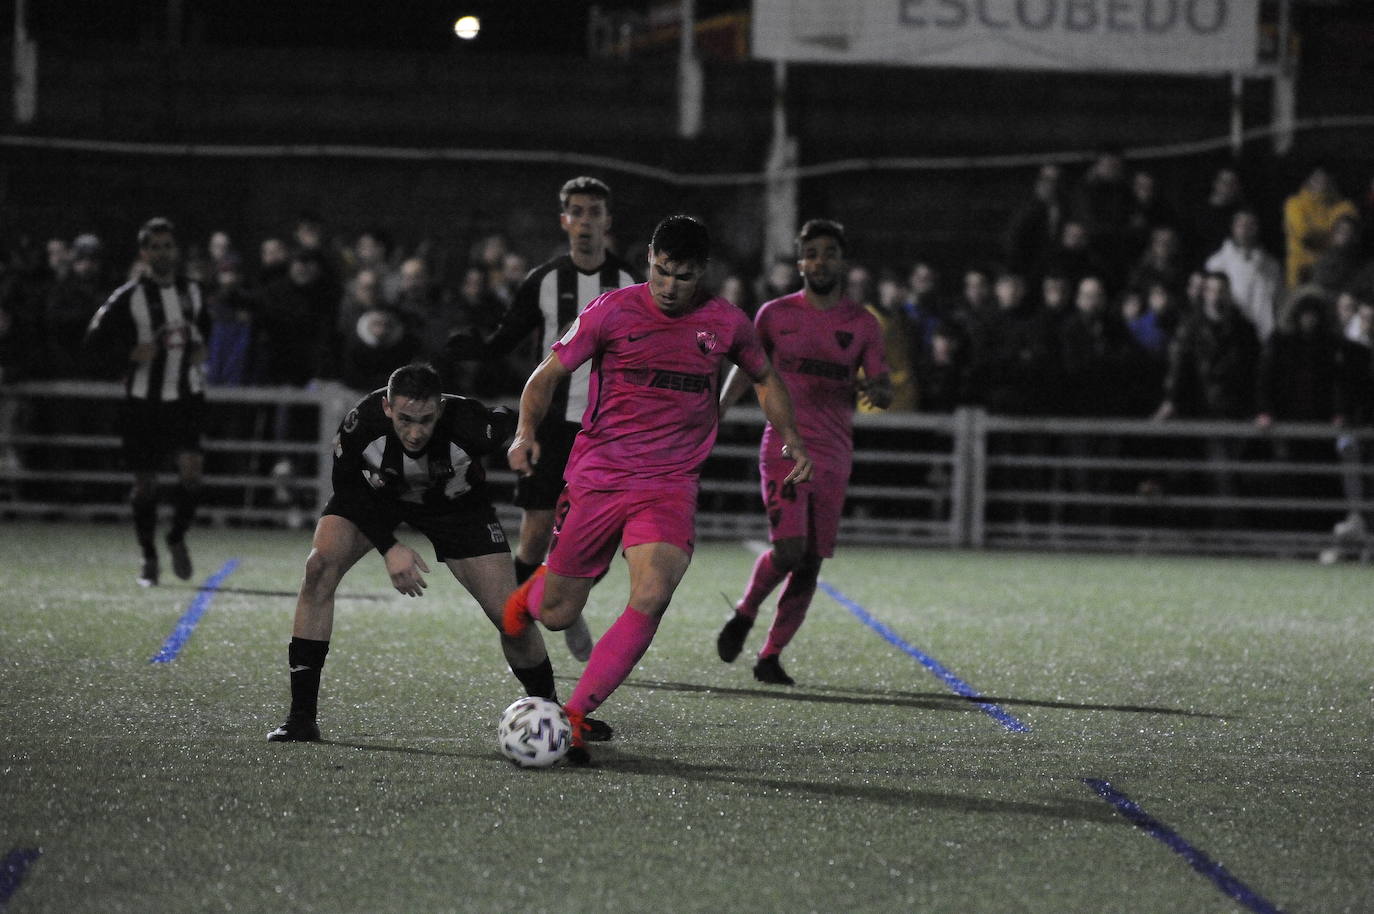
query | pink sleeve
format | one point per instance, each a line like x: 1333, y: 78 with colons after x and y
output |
x: 747, y: 352
x: 583, y: 337
x: 875, y: 354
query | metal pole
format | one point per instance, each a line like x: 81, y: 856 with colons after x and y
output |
x: 1285, y: 83
x: 25, y: 68
x: 1237, y: 113
x: 689, y: 75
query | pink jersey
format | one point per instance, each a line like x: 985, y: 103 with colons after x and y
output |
x: 818, y: 354
x: 652, y: 409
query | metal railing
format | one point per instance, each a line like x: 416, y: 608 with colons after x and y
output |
x: 969, y: 479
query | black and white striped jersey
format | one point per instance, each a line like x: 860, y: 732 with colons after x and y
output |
x: 552, y: 295
x: 173, y: 317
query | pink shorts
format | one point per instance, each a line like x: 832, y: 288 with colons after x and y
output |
x: 810, y: 511
x: 589, y: 524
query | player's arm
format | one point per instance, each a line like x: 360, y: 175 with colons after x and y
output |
x: 535, y: 399
x: 875, y: 393
x: 110, y: 345
x: 736, y: 383
x: 777, y: 407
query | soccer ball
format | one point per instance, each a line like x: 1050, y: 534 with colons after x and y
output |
x: 534, y: 732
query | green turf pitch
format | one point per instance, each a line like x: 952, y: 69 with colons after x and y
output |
x: 1230, y: 699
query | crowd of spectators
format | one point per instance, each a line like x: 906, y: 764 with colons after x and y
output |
x: 1106, y: 297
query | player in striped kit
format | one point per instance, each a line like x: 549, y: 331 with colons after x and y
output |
x: 829, y: 350
x: 152, y: 331
x: 552, y: 295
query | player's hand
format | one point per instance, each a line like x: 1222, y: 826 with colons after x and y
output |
x: 143, y: 353
x: 802, y: 471
x: 523, y: 454
x: 874, y: 393
x: 407, y: 570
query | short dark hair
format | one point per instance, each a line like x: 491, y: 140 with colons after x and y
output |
x: 822, y: 228
x: 158, y: 225
x: 683, y: 239
x: 584, y: 184
x: 416, y: 381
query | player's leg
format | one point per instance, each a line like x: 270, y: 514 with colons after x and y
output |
x: 536, y: 529
x: 143, y: 499
x: 822, y: 504
x: 142, y: 455
x: 787, y: 529
x: 190, y: 467
x: 655, y: 571
x: 490, y: 579
x: 337, y: 547
x: 659, y: 534
x: 586, y: 533
x: 538, y: 495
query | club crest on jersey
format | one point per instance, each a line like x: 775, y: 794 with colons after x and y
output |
x: 706, y: 341
x: 844, y: 338
x: 351, y: 420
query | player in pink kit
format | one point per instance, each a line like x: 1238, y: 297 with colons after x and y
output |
x: 656, y: 350
x: 828, y: 349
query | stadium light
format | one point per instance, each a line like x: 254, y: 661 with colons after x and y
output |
x: 467, y: 27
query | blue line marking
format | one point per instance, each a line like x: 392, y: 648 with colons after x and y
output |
x: 1229, y: 885
x: 956, y: 685
x: 187, y: 623
x: 13, y: 869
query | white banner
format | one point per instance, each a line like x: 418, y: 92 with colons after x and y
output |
x: 1157, y: 36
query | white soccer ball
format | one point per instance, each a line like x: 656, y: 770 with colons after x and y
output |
x: 534, y: 732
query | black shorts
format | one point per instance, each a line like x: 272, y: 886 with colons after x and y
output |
x: 467, y: 528
x: 153, y: 430
x: 540, y: 491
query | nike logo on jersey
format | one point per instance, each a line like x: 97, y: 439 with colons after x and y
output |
x: 636, y: 337
x: 299, y: 668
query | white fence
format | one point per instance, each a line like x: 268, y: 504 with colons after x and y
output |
x: 967, y: 479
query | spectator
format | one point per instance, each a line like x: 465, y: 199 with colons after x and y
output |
x: 362, y: 293
x: 297, y: 321
x: 1308, y: 218
x: 1298, y: 367
x: 219, y: 247
x: 1253, y: 274
x: 71, y: 304
x: 1034, y: 231
x: 274, y: 261
x: 1213, y: 219
x: 420, y: 303
x: 941, y: 372
x: 233, y: 359
x: 1013, y: 354
x: 923, y: 311
x: 780, y: 279
x: 381, y: 343
x: 1101, y: 360
x: 1102, y: 205
x: 372, y: 250
x: 1161, y: 263
x: 1343, y: 260
x: 1213, y: 360
x: 859, y: 287
x: 1147, y: 213
x: 1074, y: 258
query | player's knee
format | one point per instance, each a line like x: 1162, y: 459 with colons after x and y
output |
x: 321, y: 570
